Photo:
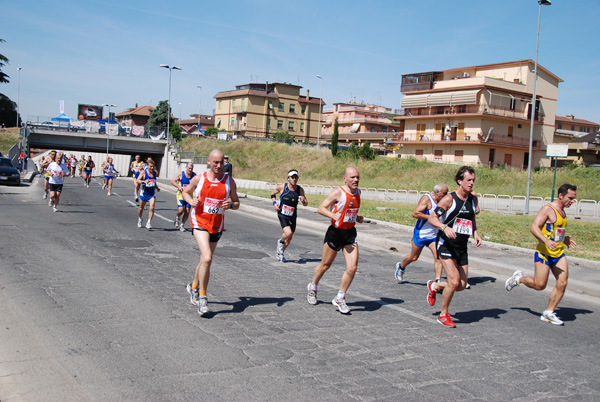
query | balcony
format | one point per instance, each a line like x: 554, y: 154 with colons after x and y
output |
x: 472, y: 138
x: 239, y: 109
x: 470, y: 109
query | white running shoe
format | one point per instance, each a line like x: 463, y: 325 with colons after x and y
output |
x: 399, y: 273
x: 148, y: 225
x: 45, y: 194
x: 177, y: 222
x: 109, y: 194
x: 50, y: 202
x: 139, y: 222
x: 550, y: 316
x: 279, y: 250
x: 203, y: 306
x: 311, y: 296
x: 341, y: 305
x: 513, y: 280
x: 103, y: 186
x: 54, y: 209
x: 182, y: 228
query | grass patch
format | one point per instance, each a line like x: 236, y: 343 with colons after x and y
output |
x: 8, y: 138
x: 498, y: 228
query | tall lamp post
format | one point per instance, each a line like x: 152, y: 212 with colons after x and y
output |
x: 534, y: 104
x: 18, y: 96
x: 107, y: 124
x: 320, y: 107
x: 171, y: 68
x: 199, y: 110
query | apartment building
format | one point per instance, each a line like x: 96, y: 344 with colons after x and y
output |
x: 359, y: 122
x: 478, y: 115
x: 582, y: 136
x: 261, y: 110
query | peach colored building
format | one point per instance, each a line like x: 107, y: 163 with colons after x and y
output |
x: 135, y: 116
x: 261, y: 110
x: 478, y: 115
x: 581, y: 137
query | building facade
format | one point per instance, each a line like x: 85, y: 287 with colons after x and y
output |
x: 261, y: 110
x: 478, y: 115
x: 581, y: 136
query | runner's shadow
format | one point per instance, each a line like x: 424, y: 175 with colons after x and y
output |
x: 304, y: 260
x: 468, y: 317
x: 373, y: 305
x: 245, y: 302
x: 564, y: 313
x: 475, y: 280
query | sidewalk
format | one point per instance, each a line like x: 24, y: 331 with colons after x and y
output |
x: 584, y: 274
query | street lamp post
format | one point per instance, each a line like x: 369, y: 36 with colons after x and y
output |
x: 320, y: 107
x: 106, y: 126
x: 171, y: 68
x: 199, y: 110
x: 533, y: 104
x: 18, y: 96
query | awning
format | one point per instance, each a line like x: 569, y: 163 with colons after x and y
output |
x: 355, y: 128
x: 441, y: 99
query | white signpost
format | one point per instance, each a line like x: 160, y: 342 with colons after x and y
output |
x: 556, y: 151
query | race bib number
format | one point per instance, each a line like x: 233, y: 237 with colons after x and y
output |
x: 151, y: 183
x: 57, y: 174
x: 213, y: 207
x: 136, y: 169
x: 287, y: 210
x: 463, y: 226
x: 351, y: 214
x: 560, y: 234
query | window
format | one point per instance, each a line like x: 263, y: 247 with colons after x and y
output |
x: 302, y: 127
x: 270, y: 105
x: 220, y: 104
x: 421, y: 128
x: 419, y: 154
x: 279, y: 124
x: 461, y: 128
x: 439, y: 127
x: 572, y: 128
x: 458, y: 156
x: 303, y: 108
x: 281, y: 107
x: 513, y: 103
x: 233, y: 123
x: 510, y: 131
x: 268, y: 123
x: 437, y: 155
x: 219, y: 121
x: 292, y: 108
x: 560, y: 126
x: 291, y: 125
x: 233, y: 103
x: 243, y: 103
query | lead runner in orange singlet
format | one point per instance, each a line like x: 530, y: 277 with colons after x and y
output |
x: 210, y: 195
x: 342, y: 207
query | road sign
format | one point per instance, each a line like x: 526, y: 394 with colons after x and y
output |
x: 557, y: 150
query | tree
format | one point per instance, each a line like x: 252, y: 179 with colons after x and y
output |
x: 3, y: 62
x: 175, y: 131
x: 283, y: 136
x: 366, y: 152
x: 8, y: 112
x: 158, y: 117
x: 335, y: 138
x: 212, y: 132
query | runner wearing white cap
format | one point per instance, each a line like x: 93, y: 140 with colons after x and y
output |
x: 286, y: 209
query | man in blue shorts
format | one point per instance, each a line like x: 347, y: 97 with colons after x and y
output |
x: 424, y: 234
x: 180, y: 182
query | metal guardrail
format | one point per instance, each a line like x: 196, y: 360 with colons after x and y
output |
x: 487, y: 202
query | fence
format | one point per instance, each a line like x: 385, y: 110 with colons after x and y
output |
x: 487, y: 202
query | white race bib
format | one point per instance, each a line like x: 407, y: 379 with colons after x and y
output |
x: 463, y: 226
x: 287, y: 210
x: 151, y: 183
x: 213, y: 207
x: 350, y: 215
x: 560, y: 234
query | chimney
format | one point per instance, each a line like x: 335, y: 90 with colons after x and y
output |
x: 307, y: 94
x: 571, y: 117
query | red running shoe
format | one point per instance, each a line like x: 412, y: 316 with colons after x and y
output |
x: 431, y: 294
x: 446, y: 321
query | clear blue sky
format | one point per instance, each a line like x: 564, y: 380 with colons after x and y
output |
x: 109, y: 51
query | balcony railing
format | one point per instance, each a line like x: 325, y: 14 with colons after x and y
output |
x: 471, y: 109
x: 239, y: 109
x: 479, y: 137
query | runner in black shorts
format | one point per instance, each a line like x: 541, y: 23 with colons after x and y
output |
x: 287, y: 210
x: 455, y: 219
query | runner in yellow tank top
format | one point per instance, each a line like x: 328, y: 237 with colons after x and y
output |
x: 549, y: 227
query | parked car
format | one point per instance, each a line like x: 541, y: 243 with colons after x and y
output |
x: 9, y: 174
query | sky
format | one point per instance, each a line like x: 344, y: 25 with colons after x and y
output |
x: 100, y: 52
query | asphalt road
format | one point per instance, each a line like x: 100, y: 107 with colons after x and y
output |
x: 94, y: 308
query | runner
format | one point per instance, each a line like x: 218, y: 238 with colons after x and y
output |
x: 109, y: 173
x: 454, y: 217
x: 287, y: 211
x: 209, y: 203
x: 81, y: 165
x: 73, y: 165
x: 181, y: 181
x: 56, y: 171
x: 148, y: 189
x: 51, y: 157
x: 103, y: 167
x: 424, y: 234
x: 87, y: 171
x: 136, y: 167
x: 342, y: 206
x: 549, y: 227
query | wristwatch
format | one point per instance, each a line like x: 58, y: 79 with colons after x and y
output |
x: 444, y: 227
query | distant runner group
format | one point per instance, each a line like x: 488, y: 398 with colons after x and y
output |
x: 445, y: 222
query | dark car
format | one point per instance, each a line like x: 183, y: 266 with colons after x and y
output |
x: 9, y: 174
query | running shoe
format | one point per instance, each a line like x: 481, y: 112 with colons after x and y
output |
x: 467, y: 286
x: 139, y: 222
x: 446, y: 321
x: 54, y: 208
x: 45, y: 194
x: 182, y: 228
x: 177, y: 221
x: 431, y: 293
x: 194, y: 294
x: 103, y: 186
x: 399, y: 273
x: 203, y: 306
x: 148, y: 225
x: 550, y: 316
x: 513, y: 280
x: 311, y: 296
x: 109, y: 193
x: 279, y: 249
x: 341, y: 305
x: 50, y: 202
